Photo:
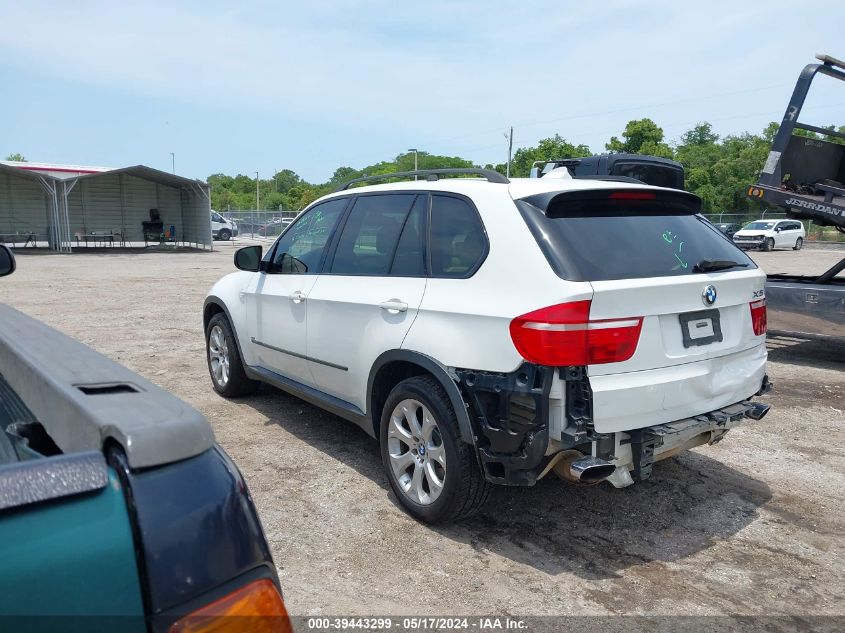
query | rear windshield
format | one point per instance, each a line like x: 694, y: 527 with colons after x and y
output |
x: 629, y: 244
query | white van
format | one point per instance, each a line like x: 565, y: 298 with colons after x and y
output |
x: 221, y: 228
x: 770, y: 234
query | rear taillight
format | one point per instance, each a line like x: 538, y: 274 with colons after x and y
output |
x: 563, y: 335
x: 257, y: 607
x: 758, y: 316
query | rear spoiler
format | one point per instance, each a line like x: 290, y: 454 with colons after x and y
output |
x: 615, y: 201
x: 82, y: 399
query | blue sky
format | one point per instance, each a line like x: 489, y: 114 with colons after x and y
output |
x: 260, y: 86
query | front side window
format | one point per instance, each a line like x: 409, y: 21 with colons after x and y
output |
x: 300, y: 249
x: 458, y: 240
x: 369, y: 238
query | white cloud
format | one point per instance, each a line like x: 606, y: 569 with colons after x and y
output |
x: 454, y: 74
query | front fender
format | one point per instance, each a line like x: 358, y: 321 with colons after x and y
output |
x: 229, y: 294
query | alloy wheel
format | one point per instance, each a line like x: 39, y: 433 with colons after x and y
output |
x: 417, y: 454
x: 218, y: 355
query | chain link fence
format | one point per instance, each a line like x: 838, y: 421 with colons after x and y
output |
x: 257, y: 224
x: 268, y: 224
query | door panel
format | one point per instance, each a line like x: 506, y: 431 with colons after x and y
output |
x: 367, y: 302
x: 782, y: 238
x: 351, y: 321
x: 276, y: 313
x: 277, y: 305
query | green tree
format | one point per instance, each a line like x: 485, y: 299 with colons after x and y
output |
x: 343, y: 174
x: 642, y: 136
x: 719, y: 171
x: 285, y: 179
x: 701, y: 135
x: 16, y: 156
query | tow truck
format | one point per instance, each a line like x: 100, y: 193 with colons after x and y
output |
x: 805, y: 176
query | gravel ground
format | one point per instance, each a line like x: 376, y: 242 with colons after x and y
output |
x: 753, y: 525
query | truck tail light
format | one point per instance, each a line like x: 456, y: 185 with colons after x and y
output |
x: 563, y: 334
x: 257, y: 607
x: 758, y: 316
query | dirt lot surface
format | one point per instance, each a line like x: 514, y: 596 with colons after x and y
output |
x: 753, y: 525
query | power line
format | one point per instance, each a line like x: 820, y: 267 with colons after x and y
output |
x: 622, y: 110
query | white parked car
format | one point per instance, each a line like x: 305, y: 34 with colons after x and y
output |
x: 770, y: 234
x: 221, y: 228
x: 488, y: 331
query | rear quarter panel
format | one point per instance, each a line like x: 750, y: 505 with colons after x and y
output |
x: 465, y: 322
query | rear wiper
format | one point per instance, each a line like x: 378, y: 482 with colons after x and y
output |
x: 710, y: 265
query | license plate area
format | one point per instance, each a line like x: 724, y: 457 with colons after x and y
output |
x: 700, y: 328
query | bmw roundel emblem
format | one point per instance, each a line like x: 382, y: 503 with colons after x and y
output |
x: 709, y: 295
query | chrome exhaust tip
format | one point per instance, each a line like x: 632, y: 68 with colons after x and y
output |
x: 758, y: 411
x: 578, y: 468
x: 590, y: 470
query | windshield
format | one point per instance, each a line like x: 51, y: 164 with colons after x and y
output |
x: 629, y: 244
x: 759, y: 226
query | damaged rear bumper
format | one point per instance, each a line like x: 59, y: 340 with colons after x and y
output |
x: 523, y: 419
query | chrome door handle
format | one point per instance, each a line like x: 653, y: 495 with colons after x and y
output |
x: 297, y: 297
x: 394, y: 306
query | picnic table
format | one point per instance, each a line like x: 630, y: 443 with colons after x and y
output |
x: 100, y: 238
x: 27, y: 237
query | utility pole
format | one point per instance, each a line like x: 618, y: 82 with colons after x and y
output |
x: 510, y: 152
x: 416, y: 168
x: 173, y: 162
x: 257, y: 194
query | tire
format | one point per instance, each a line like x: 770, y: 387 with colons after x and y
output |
x: 769, y: 244
x: 225, y: 235
x: 403, y: 420
x: 798, y: 244
x: 227, y: 374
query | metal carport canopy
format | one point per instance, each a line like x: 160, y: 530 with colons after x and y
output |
x: 80, y: 199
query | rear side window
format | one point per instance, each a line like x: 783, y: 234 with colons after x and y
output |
x: 627, y: 239
x: 409, y: 260
x: 458, y: 241
x: 371, y: 234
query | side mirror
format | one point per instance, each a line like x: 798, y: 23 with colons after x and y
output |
x: 7, y: 261
x: 248, y: 258
x: 777, y: 229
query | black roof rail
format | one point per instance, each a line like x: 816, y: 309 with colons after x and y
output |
x: 431, y: 175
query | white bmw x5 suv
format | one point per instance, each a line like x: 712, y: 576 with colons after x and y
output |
x: 489, y: 331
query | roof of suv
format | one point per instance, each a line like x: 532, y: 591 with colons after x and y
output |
x: 518, y: 187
